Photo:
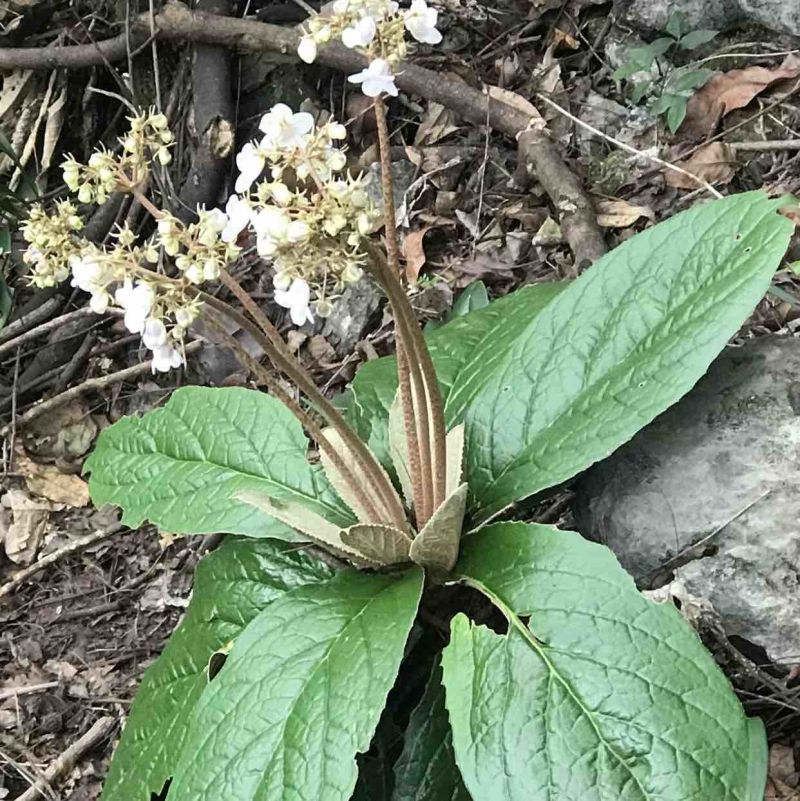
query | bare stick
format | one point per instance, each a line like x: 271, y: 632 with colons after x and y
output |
x: 32, y: 318
x: 55, y: 556
x: 13, y: 692
x: 44, y: 328
x: 90, y: 385
x: 69, y: 758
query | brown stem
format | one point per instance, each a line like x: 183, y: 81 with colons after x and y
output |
x: 284, y: 361
x: 146, y: 203
x: 410, y: 427
x: 270, y: 380
x: 421, y: 366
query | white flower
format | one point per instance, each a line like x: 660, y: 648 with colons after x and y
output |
x: 154, y: 334
x: 185, y: 316
x: 361, y: 34
x: 307, y: 50
x: 420, y: 22
x: 237, y: 213
x: 137, y: 301
x: 250, y: 160
x: 297, y: 231
x: 340, y: 6
x: 336, y: 130
x: 376, y: 78
x: 271, y: 225
x: 296, y: 299
x: 98, y: 303
x: 284, y: 128
x: 87, y: 274
x: 165, y: 358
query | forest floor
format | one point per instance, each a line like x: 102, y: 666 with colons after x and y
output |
x: 96, y: 601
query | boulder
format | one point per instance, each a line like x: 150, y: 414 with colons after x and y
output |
x: 709, y: 494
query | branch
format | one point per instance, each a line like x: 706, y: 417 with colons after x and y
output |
x: 176, y: 22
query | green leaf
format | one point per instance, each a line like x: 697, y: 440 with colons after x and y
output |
x: 660, y: 46
x: 626, y: 70
x: 694, y: 39
x: 618, y: 346
x: 603, y: 695
x: 676, y: 113
x: 436, y: 546
x: 426, y: 770
x: 180, y: 466
x: 640, y: 90
x: 474, y: 297
x: 231, y: 587
x: 685, y: 82
x: 677, y: 25
x: 300, y: 694
x: 462, y: 351
x: 5, y: 301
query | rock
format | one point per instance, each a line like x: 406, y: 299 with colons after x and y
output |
x: 709, y: 492
x: 777, y: 15
x: 349, y: 319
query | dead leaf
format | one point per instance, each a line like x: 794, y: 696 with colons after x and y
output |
x: 52, y: 128
x: 517, y: 101
x: 713, y: 162
x: 414, y: 252
x: 549, y: 233
x: 620, y: 213
x: 49, y: 482
x: 321, y: 351
x: 23, y: 537
x: 435, y: 124
x: 728, y: 91
x: 563, y: 38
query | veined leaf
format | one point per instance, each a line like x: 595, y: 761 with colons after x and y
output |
x: 426, y: 770
x: 617, y: 347
x: 603, y: 694
x: 232, y: 586
x: 463, y: 351
x: 300, y: 694
x: 180, y: 466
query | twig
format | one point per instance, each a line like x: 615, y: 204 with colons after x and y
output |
x: 175, y: 21
x: 13, y: 692
x: 89, y: 385
x: 32, y: 318
x: 43, y: 328
x: 55, y: 556
x: 763, y: 147
x: 69, y: 758
x: 628, y: 149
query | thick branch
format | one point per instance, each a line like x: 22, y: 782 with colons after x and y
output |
x: 538, y: 152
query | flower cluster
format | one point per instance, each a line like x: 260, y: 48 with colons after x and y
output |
x: 148, y: 138
x: 51, y: 240
x: 377, y: 29
x: 310, y: 219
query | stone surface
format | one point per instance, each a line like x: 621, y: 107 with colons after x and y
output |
x: 777, y: 15
x: 711, y: 492
x: 349, y: 319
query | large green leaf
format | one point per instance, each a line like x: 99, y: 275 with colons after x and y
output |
x: 617, y: 347
x: 463, y: 351
x: 426, y: 770
x: 232, y: 586
x: 301, y: 693
x: 603, y: 694
x: 180, y: 466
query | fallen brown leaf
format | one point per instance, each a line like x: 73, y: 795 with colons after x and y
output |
x: 22, y: 538
x: 728, y: 91
x: 518, y: 102
x: 414, y: 253
x: 620, y: 213
x: 713, y: 163
x: 49, y: 482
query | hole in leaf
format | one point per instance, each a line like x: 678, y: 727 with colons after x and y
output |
x: 738, y: 237
x: 748, y: 249
x: 216, y: 663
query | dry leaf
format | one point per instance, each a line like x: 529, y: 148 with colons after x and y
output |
x: 728, y: 91
x: 435, y: 124
x: 620, y: 213
x: 518, y: 102
x: 321, y: 351
x: 414, y: 253
x: 549, y: 233
x: 23, y: 537
x: 52, y: 128
x: 713, y: 163
x: 49, y: 482
x: 563, y: 38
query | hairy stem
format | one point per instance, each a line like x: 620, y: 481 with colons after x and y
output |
x: 283, y: 360
x: 271, y: 381
x: 431, y: 431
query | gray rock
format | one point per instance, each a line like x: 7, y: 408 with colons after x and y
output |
x: 711, y: 492
x: 777, y: 15
x: 349, y: 319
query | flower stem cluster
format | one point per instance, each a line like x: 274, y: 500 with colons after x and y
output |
x: 149, y: 138
x: 309, y: 220
x: 375, y: 28
x: 51, y: 240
